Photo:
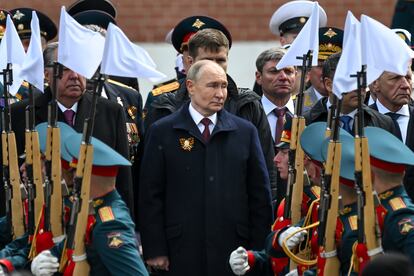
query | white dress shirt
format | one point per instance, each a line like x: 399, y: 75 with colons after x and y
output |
x: 402, y: 120
x: 197, y: 117
x: 268, y: 107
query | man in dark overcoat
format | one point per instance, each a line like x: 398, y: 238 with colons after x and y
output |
x: 204, y: 186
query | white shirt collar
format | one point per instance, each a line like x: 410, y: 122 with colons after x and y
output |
x: 404, y: 110
x: 318, y: 95
x: 63, y: 108
x: 197, y: 117
x: 268, y: 106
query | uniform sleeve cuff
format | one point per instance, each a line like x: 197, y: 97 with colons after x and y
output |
x: 7, y: 264
x: 251, y: 259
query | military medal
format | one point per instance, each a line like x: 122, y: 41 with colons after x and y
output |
x: 187, y: 143
x: 132, y: 111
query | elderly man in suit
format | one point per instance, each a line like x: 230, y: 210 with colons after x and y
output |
x: 393, y: 99
x: 204, y: 187
x: 73, y: 107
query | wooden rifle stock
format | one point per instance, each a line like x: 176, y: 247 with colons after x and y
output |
x: 18, y: 228
x: 83, y: 171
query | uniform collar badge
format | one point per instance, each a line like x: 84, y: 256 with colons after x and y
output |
x: 187, y: 144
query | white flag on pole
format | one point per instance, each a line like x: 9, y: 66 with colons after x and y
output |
x: 33, y: 68
x: 123, y: 58
x: 307, y: 39
x: 80, y: 49
x: 350, y: 62
x: 12, y: 51
x: 383, y: 50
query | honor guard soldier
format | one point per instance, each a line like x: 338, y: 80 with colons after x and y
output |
x: 22, y: 18
x: 110, y: 238
x: 97, y: 15
x: 179, y: 38
x: 389, y: 159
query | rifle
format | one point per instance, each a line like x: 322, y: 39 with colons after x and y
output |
x: 325, y: 192
x: 33, y: 168
x: 81, y: 193
x: 52, y: 191
x: 11, y: 174
x: 369, y: 244
x: 328, y: 263
x: 294, y: 193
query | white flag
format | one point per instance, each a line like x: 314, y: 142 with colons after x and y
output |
x: 307, y: 39
x: 123, y: 58
x: 383, y: 50
x: 33, y: 67
x: 80, y: 49
x: 350, y: 62
x: 12, y: 51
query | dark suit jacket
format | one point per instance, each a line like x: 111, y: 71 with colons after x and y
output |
x: 409, y: 141
x: 198, y: 205
x: 319, y: 113
x: 109, y: 127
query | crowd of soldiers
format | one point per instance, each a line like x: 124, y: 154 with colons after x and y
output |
x: 302, y: 184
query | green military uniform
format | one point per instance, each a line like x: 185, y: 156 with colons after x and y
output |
x: 14, y: 255
x: 397, y: 232
x: 112, y: 248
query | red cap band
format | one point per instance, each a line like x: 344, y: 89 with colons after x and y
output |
x: 386, y: 166
x: 347, y: 182
x: 109, y: 171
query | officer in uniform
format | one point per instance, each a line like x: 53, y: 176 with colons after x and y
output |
x: 110, y: 238
x: 286, y: 23
x: 403, y: 16
x: 330, y: 42
x: 98, y: 15
x: 179, y: 38
x: 388, y: 163
x: 22, y: 18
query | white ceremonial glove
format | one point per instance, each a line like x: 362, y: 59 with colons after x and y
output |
x: 293, y: 273
x: 44, y: 264
x: 238, y: 261
x: 294, y: 240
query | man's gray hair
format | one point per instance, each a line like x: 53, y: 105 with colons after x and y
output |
x: 275, y: 54
x: 195, y: 69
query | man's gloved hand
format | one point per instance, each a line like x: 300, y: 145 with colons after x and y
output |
x: 292, y: 273
x: 44, y: 264
x: 238, y: 261
x: 294, y: 240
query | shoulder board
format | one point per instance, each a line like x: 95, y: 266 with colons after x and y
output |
x: 166, y: 88
x: 120, y: 84
x: 164, y: 83
x: 397, y: 203
x: 105, y: 213
x: 25, y: 84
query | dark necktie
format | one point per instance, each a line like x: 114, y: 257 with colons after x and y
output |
x: 206, y: 132
x: 280, y: 114
x: 346, y: 123
x: 394, y: 117
x: 69, y: 115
